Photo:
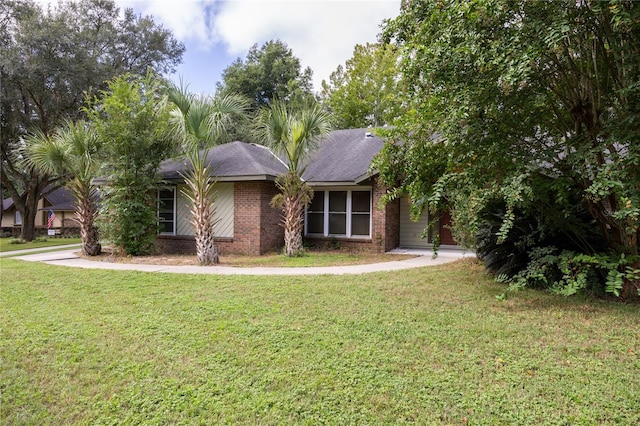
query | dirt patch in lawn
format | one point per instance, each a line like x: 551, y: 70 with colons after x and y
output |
x: 308, y: 259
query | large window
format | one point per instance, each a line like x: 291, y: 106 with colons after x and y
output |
x: 167, y: 211
x: 343, y: 213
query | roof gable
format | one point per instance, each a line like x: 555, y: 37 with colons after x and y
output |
x: 345, y: 156
x: 232, y: 161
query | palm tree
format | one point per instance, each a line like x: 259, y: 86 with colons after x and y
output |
x: 199, y: 122
x: 294, y: 135
x: 72, y: 151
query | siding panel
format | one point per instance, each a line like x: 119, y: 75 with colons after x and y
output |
x: 224, y: 212
x: 410, y: 231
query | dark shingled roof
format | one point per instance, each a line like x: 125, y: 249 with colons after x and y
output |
x: 61, y: 199
x: 232, y: 161
x: 7, y: 203
x: 343, y: 157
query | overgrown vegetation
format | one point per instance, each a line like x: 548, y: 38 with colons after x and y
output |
x: 105, y: 347
x: 50, y: 57
x: 131, y: 119
x: 533, y: 105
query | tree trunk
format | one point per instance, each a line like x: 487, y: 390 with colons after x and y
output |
x: 86, y: 213
x: 206, y: 249
x: 29, y: 213
x: 90, y: 241
x: 293, y: 210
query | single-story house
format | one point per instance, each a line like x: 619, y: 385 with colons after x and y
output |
x: 60, y: 201
x: 345, y: 210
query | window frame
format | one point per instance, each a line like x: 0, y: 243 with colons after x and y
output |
x: 349, y: 212
x: 174, y: 208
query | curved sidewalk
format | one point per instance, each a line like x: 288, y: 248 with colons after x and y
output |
x: 424, y: 258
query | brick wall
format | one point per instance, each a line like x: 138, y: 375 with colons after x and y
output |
x: 256, y: 224
x: 256, y: 228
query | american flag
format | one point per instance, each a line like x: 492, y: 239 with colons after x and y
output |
x: 52, y: 216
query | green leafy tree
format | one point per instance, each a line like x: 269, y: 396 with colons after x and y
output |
x: 131, y: 119
x: 293, y: 134
x: 72, y: 152
x: 267, y: 73
x: 507, y: 94
x: 49, y: 61
x: 199, y: 122
x: 367, y: 91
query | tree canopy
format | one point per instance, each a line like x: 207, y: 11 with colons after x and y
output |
x: 50, y: 60
x: 531, y: 104
x: 131, y: 119
x: 367, y: 91
x: 268, y: 73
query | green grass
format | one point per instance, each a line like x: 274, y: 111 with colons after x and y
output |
x: 6, y: 245
x: 428, y: 346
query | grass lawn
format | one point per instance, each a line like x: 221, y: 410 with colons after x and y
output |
x: 5, y: 243
x: 427, y: 346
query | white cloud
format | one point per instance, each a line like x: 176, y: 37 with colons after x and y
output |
x: 321, y: 33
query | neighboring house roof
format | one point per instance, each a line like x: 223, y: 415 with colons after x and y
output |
x: 60, y: 200
x: 342, y: 158
x: 7, y: 203
x: 233, y: 161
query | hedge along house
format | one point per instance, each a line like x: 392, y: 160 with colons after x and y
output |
x: 345, y: 210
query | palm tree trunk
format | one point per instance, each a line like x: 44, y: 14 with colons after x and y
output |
x: 293, y: 210
x: 86, y: 213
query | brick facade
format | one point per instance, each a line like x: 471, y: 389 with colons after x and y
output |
x: 256, y: 225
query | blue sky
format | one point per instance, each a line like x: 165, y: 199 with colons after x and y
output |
x: 321, y: 33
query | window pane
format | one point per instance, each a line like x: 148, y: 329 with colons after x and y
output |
x: 338, y: 201
x: 317, y: 204
x: 315, y: 223
x: 360, y: 201
x: 166, y: 193
x: 166, y: 227
x: 165, y: 205
x: 337, y: 223
x: 360, y: 224
x: 166, y: 210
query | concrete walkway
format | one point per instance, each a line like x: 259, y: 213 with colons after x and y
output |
x: 14, y: 253
x: 424, y: 258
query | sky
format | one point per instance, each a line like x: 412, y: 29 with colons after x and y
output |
x: 321, y: 33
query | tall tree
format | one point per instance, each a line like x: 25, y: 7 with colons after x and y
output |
x: 131, y: 119
x: 368, y: 90
x: 518, y: 92
x: 267, y: 73
x: 199, y: 122
x: 49, y: 61
x: 293, y: 133
x: 72, y: 150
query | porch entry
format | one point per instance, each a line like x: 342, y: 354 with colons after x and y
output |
x: 411, y: 231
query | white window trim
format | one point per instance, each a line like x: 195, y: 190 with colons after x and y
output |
x: 175, y: 218
x: 18, y: 218
x: 325, y: 226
